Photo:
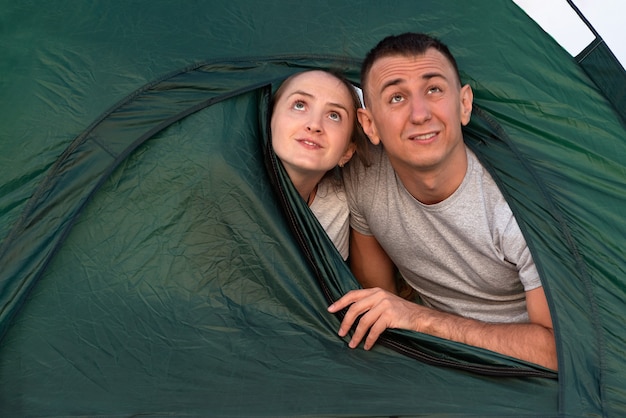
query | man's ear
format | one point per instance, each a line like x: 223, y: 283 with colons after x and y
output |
x: 467, y: 99
x: 365, y: 119
x: 348, y: 154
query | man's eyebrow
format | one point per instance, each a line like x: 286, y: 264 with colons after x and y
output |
x: 428, y: 76
x: 392, y: 82
x: 333, y: 104
x: 396, y: 81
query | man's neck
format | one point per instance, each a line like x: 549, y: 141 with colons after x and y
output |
x: 438, y: 183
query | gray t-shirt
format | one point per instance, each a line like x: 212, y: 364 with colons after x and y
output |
x: 330, y: 207
x: 465, y: 255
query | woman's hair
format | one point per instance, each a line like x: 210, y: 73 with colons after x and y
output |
x: 358, y: 137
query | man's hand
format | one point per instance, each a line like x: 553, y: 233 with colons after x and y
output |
x: 380, y: 310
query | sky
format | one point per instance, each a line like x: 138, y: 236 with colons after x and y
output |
x: 559, y: 19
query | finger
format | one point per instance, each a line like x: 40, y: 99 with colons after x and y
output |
x: 358, y: 335
x: 364, y: 326
x: 347, y: 299
x: 375, y: 330
x: 349, y: 318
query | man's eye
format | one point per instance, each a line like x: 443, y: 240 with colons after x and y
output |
x: 434, y: 90
x: 396, y: 98
x: 299, y: 105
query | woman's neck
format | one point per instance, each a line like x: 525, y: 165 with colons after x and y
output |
x: 306, y: 186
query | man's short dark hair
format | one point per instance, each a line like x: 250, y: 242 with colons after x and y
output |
x: 406, y: 44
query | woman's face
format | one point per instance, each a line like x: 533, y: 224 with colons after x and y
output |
x: 312, y: 123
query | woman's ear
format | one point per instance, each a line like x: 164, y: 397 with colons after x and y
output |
x: 365, y: 119
x: 347, y: 155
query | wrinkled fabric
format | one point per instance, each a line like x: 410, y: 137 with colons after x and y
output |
x: 155, y: 261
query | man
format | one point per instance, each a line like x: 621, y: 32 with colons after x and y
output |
x: 427, y: 206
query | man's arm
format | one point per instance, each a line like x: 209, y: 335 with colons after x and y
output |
x: 370, y: 264
x: 533, y: 341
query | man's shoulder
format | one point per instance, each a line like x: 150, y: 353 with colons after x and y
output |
x: 477, y: 169
x: 483, y: 187
x: 376, y: 157
x: 368, y: 186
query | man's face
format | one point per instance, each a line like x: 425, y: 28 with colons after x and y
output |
x: 416, y: 107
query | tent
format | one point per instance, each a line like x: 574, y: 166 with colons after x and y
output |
x: 155, y: 260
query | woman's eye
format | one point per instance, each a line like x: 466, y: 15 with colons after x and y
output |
x: 396, y: 98
x: 334, y: 116
x: 299, y: 105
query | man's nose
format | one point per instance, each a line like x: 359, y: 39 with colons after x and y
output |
x: 420, y: 111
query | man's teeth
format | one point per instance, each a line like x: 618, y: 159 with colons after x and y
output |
x: 425, y: 136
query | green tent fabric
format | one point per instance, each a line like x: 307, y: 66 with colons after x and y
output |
x: 598, y: 61
x: 155, y: 260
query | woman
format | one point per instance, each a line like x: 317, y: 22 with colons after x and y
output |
x: 315, y: 130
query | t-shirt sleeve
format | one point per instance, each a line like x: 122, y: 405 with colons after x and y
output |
x: 331, y: 209
x: 516, y: 251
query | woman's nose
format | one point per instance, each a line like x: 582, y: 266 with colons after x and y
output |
x: 314, y: 124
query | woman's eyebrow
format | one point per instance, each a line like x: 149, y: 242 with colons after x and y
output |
x: 304, y: 93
